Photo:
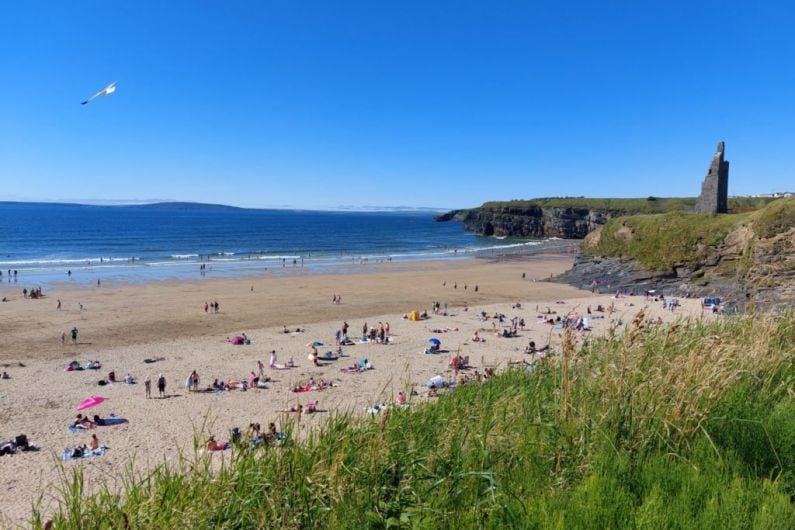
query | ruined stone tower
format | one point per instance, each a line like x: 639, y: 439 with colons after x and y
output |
x: 714, y: 196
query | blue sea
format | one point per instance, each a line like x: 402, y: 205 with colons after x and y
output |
x: 134, y: 243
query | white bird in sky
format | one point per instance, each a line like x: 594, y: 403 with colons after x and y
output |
x: 108, y: 90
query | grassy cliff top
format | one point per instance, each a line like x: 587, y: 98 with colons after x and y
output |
x: 629, y: 206
x: 663, y: 240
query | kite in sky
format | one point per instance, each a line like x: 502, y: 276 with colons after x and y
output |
x: 108, y: 90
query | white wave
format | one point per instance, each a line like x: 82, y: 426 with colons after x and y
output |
x: 184, y: 256
x: 60, y: 261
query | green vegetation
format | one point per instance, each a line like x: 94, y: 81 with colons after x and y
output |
x: 664, y: 240
x: 690, y: 425
x: 649, y: 205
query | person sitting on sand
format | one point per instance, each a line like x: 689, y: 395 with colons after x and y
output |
x: 400, y: 399
x: 253, y: 379
x: 313, y: 357
x: 112, y: 376
x: 272, y: 434
x: 82, y: 422
x: 129, y: 379
x: 290, y: 363
x: 476, y: 337
x: 254, y: 431
x: 5, y: 376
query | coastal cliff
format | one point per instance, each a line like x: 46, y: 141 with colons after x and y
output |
x: 568, y: 217
x: 742, y: 258
x: 534, y: 221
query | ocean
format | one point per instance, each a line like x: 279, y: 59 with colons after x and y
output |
x: 44, y: 241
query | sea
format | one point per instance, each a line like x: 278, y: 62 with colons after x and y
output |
x: 52, y: 242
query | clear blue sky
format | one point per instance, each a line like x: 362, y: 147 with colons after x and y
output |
x: 325, y: 103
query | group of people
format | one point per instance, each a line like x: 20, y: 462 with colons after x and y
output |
x: 34, y: 293
x: 311, y: 385
x: 212, y: 305
x: 161, y: 386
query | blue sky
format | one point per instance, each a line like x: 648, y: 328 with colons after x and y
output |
x: 320, y: 103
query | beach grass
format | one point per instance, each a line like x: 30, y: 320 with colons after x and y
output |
x: 690, y: 424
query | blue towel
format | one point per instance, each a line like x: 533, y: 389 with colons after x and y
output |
x: 67, y: 453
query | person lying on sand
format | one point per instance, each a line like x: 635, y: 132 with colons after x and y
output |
x: 531, y: 348
x: 212, y: 445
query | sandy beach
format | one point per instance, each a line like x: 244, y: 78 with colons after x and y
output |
x: 120, y: 325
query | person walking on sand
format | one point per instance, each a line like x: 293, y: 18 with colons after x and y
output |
x: 148, y: 387
x: 206, y: 306
x: 161, y: 385
x: 74, y: 335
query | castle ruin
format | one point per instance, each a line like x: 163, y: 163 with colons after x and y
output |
x: 714, y: 196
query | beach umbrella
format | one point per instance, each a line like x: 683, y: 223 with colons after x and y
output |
x: 108, y: 90
x: 93, y: 401
x: 434, y: 341
x: 315, y: 344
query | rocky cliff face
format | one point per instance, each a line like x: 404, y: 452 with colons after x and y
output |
x: 534, y: 221
x: 744, y: 268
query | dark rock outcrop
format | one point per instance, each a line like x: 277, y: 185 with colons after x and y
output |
x: 533, y: 221
x: 745, y: 268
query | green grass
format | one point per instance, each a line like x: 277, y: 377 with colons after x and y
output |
x: 630, y: 206
x: 665, y: 240
x: 682, y: 426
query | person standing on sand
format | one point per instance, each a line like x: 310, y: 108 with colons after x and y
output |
x: 74, y: 335
x: 161, y: 385
x: 261, y: 370
x: 148, y: 387
x: 63, y: 338
x: 59, y: 303
x: 206, y: 306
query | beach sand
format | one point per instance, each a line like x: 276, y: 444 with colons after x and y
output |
x: 120, y: 325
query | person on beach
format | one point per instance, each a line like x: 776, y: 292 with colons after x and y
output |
x: 148, y: 387
x: 261, y: 370
x: 272, y: 360
x: 161, y: 385
x: 74, y: 335
x: 206, y: 306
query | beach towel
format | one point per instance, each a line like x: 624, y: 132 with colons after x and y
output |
x: 302, y: 389
x: 68, y: 453
x: 103, y: 422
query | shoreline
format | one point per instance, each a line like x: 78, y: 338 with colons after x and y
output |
x: 86, y: 272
